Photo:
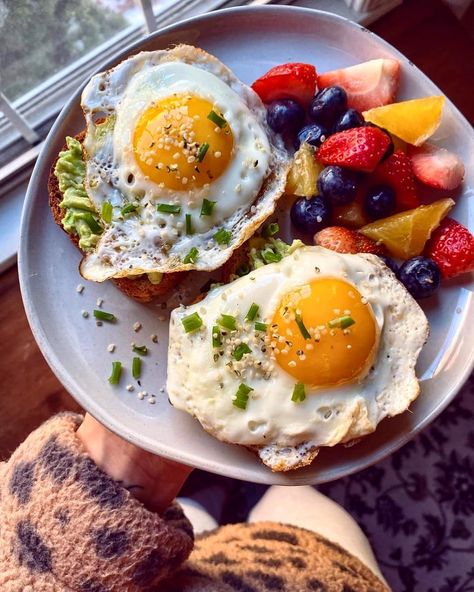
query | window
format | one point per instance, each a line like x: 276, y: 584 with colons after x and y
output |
x: 48, y: 48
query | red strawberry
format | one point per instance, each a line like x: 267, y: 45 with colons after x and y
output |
x: 451, y: 246
x: 359, y: 148
x: 367, y: 245
x: 397, y: 172
x: 367, y: 85
x: 437, y: 167
x: 287, y: 81
x: 343, y: 240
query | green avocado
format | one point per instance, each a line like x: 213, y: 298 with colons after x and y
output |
x: 80, y: 216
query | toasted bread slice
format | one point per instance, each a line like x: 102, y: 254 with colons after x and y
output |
x: 139, y: 288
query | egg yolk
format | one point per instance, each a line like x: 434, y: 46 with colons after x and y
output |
x: 182, y: 142
x: 311, y: 340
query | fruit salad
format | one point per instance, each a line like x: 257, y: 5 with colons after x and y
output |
x: 361, y: 159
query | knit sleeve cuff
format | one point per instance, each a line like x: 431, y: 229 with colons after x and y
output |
x: 65, y: 519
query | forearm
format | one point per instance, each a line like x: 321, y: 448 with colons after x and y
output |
x: 153, y: 480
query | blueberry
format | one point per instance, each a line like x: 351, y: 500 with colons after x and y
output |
x: 390, y: 263
x: 420, y: 276
x: 338, y: 185
x: 285, y: 116
x: 351, y: 118
x: 310, y: 215
x: 328, y: 105
x: 311, y: 134
x: 380, y: 201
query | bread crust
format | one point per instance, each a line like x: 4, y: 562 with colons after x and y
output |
x: 139, y: 288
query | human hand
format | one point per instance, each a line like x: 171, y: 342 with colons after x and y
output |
x: 153, y: 480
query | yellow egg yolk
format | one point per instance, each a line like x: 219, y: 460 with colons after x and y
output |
x: 311, y: 342
x: 182, y: 142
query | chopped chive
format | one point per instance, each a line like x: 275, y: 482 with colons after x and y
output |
x: 216, y: 336
x: 168, y: 208
x: 298, y: 393
x: 203, y: 148
x: 242, y: 396
x: 192, y: 256
x: 222, y: 237
x: 271, y: 229
x: 114, y: 378
x: 252, y: 313
x: 105, y: 316
x: 240, y: 350
x: 136, y: 367
x: 142, y: 350
x: 106, y: 212
x: 301, y: 327
x: 341, y: 323
x: 92, y: 223
x: 269, y: 255
x: 128, y: 209
x: 227, y: 321
x: 191, y: 322
x: 207, y: 207
x: 244, y: 269
x: 189, y: 224
x: 260, y: 326
x: 217, y: 119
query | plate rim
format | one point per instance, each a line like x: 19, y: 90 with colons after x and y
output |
x: 91, y: 404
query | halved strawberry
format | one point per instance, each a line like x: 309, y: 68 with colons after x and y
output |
x: 397, y: 172
x: 287, y: 81
x: 359, y: 148
x: 370, y: 84
x: 343, y: 240
x: 436, y: 167
x: 451, y: 246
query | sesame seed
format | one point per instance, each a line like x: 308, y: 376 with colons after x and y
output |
x: 152, y: 400
x: 309, y: 346
x: 141, y: 395
x: 99, y: 302
x: 303, y: 358
x: 79, y: 288
x: 85, y: 314
x: 111, y: 347
x: 292, y: 364
x: 217, y: 154
x: 137, y: 326
x: 162, y: 390
x: 349, y: 347
x: 364, y: 300
x: 130, y: 388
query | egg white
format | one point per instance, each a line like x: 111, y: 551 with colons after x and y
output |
x: 245, y: 192
x: 205, y: 388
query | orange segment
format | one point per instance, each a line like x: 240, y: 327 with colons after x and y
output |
x: 405, y: 234
x: 303, y: 173
x: 413, y: 121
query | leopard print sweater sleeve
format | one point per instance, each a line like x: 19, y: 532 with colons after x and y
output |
x: 67, y: 527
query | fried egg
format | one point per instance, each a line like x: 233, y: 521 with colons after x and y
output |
x: 308, y: 352
x: 180, y: 162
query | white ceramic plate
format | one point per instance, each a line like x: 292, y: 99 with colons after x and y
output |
x: 250, y: 41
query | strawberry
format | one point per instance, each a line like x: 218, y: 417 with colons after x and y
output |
x: 343, y: 240
x: 451, y: 246
x: 359, y: 148
x: 287, y: 81
x: 397, y: 172
x: 370, y: 84
x: 437, y: 167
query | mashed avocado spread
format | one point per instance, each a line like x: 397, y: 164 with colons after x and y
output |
x: 81, y: 217
x: 266, y: 250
